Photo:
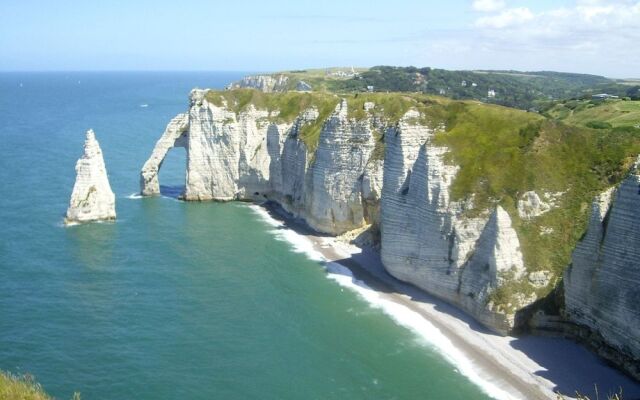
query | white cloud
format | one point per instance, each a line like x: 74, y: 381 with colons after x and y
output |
x: 488, y: 5
x: 591, y: 19
x: 506, y: 18
x: 595, y: 36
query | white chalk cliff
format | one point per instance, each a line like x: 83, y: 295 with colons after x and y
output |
x: 245, y: 156
x: 264, y: 83
x: 92, y: 198
x: 426, y: 238
x: 602, y: 285
x: 342, y: 183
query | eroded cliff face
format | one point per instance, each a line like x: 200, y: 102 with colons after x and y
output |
x: 246, y: 155
x: 344, y: 184
x: 428, y: 240
x: 602, y: 285
x: 330, y: 167
x: 264, y: 83
x: 91, y: 198
x: 175, y: 135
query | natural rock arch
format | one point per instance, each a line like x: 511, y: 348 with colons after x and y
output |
x: 175, y: 135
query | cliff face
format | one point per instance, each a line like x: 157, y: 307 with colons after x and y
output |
x: 344, y: 184
x: 175, y: 135
x: 427, y: 239
x: 602, y: 285
x: 341, y: 164
x: 264, y: 83
x: 91, y: 198
x: 246, y: 155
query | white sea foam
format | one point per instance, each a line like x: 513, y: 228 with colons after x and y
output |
x: 264, y: 215
x: 401, y: 314
x: 300, y: 243
x: 419, y: 325
x: 135, y: 196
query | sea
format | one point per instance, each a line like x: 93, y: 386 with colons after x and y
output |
x: 174, y: 300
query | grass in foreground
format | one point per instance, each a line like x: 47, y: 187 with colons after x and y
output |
x: 13, y: 387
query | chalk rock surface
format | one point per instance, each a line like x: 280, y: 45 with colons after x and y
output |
x: 428, y: 240
x: 92, y: 198
x: 602, y: 285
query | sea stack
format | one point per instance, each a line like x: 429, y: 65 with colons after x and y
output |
x: 92, y: 198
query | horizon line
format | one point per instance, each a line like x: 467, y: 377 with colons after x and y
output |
x: 287, y: 70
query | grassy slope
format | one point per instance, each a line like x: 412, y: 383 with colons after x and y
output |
x: 23, y: 388
x: 502, y: 153
x: 617, y: 113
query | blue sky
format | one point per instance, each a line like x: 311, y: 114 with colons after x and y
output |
x: 591, y: 36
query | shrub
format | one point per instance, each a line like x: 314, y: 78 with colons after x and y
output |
x: 598, y: 125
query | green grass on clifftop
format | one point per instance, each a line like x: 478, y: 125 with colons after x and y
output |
x: 286, y: 106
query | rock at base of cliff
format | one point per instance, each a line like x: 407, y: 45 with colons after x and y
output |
x: 92, y: 198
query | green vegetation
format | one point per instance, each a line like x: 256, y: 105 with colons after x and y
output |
x: 598, y: 114
x: 524, y: 90
x: 285, y: 106
x: 24, y: 387
x: 321, y: 80
x: 502, y: 153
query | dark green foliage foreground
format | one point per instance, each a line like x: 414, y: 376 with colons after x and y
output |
x: 24, y: 387
x: 502, y: 153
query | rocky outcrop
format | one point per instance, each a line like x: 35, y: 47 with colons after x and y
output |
x: 248, y: 155
x: 372, y: 190
x: 428, y: 240
x: 91, y: 198
x: 175, y: 135
x: 602, y: 285
x: 303, y: 86
x: 531, y: 206
x: 227, y: 157
x: 335, y: 191
x: 264, y: 83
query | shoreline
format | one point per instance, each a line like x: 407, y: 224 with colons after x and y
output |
x: 503, y: 367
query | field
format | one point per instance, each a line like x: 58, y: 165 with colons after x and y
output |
x: 615, y: 113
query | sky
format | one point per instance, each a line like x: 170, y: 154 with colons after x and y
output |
x: 589, y: 36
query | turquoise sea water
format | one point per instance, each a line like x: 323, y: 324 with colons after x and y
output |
x: 175, y: 300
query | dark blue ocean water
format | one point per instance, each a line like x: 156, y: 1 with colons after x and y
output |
x: 175, y: 300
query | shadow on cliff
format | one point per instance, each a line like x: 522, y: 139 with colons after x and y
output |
x: 175, y: 192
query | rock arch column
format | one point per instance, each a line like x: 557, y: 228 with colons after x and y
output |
x: 175, y: 135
